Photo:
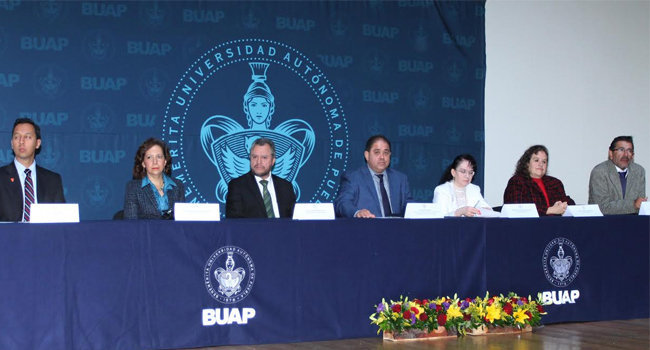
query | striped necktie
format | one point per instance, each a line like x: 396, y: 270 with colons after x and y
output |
x: 267, y: 199
x: 29, y: 195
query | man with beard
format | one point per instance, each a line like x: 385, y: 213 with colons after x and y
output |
x: 617, y: 185
x: 258, y: 193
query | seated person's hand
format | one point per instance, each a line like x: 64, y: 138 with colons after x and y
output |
x: 364, y: 213
x: 638, y: 201
x: 467, y: 211
x: 558, y: 208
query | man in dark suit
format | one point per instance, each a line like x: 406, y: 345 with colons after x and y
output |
x: 47, y: 185
x: 258, y: 193
x: 373, y: 190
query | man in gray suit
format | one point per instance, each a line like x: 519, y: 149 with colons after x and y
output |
x: 617, y: 185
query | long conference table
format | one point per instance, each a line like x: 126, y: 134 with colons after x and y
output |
x: 158, y: 285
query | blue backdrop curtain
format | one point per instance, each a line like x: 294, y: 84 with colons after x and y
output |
x: 209, y: 77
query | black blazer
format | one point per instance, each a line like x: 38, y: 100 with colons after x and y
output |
x: 140, y: 202
x: 244, y: 199
x: 49, y: 188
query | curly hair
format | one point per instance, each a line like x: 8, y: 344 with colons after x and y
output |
x: 139, y: 171
x: 446, y: 175
x: 522, y: 164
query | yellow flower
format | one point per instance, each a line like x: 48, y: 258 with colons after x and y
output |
x: 480, y: 310
x: 493, y: 313
x: 395, y: 315
x: 381, y: 319
x: 520, y: 316
x: 454, y: 311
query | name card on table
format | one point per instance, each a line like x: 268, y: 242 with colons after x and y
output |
x: 488, y: 213
x: 423, y: 211
x: 526, y: 210
x: 54, y: 212
x: 583, y: 210
x: 645, y: 208
x: 313, y: 211
x: 196, y: 212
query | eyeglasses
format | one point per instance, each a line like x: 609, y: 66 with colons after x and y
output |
x: 624, y: 150
x: 466, y: 172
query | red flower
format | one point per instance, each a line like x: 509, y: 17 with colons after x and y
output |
x: 467, y: 317
x: 529, y: 314
x: 438, y: 307
x: 507, y: 308
x: 469, y: 300
x: 425, y: 301
x: 397, y: 308
x: 407, y: 314
x: 540, y: 308
x: 417, y: 301
x: 442, y: 319
x: 513, y: 300
x: 524, y: 300
x: 490, y: 301
x: 415, y: 310
x: 423, y: 317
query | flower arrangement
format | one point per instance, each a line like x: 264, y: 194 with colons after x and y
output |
x: 458, y: 316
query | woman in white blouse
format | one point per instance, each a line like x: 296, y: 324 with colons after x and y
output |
x: 456, y: 194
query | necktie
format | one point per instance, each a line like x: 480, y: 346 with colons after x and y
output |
x: 384, y: 196
x: 267, y: 199
x: 29, y: 194
x: 623, y: 181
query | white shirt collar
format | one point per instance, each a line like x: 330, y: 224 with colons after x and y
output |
x: 269, y: 179
x: 21, y: 168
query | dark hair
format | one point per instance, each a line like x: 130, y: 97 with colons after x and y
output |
x: 446, y: 175
x: 264, y: 141
x: 621, y: 138
x: 37, y: 129
x: 139, y: 171
x: 371, y: 141
x: 522, y: 163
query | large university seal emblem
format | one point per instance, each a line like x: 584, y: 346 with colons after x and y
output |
x: 561, y: 262
x: 227, y: 144
x: 229, y: 274
x: 240, y: 91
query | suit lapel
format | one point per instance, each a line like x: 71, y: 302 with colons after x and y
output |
x: 615, y: 179
x: 148, y: 191
x: 278, y: 194
x: 40, y: 185
x: 395, y: 198
x: 370, y: 186
x: 16, y: 189
x: 252, y: 186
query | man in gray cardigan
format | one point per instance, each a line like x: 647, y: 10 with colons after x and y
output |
x: 617, y: 185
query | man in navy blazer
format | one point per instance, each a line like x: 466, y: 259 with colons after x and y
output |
x: 373, y: 190
x: 247, y: 193
x: 26, y: 143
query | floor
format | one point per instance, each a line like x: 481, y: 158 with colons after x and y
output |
x: 625, y: 334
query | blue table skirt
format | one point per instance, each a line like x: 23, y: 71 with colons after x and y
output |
x: 142, y: 284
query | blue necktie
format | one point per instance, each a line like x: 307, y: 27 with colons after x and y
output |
x: 622, y: 174
x: 384, y: 196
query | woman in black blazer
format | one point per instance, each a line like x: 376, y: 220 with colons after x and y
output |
x: 152, y: 192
